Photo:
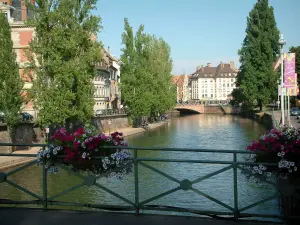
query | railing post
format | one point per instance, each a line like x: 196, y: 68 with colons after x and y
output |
x: 235, y: 184
x: 136, y: 183
x: 45, y: 187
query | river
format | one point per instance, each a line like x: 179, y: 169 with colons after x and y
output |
x: 195, y: 131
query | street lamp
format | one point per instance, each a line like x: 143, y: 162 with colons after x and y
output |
x: 278, y: 102
x: 282, y: 42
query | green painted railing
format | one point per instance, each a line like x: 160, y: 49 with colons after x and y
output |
x: 234, y: 165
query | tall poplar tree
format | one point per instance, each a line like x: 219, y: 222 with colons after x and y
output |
x: 146, y: 73
x: 256, y: 80
x: 63, y: 60
x: 10, y: 81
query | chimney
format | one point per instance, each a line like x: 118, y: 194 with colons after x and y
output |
x: 108, y: 50
x: 23, y: 10
x: 222, y: 64
x: 232, y: 66
x: 208, y: 64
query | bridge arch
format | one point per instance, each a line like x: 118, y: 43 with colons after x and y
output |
x: 199, y: 108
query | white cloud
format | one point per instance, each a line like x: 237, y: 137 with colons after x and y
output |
x: 189, y: 66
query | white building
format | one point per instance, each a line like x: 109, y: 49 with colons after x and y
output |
x: 107, y: 92
x: 213, y: 83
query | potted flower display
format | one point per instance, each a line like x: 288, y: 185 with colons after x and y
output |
x: 278, y: 151
x: 79, y: 149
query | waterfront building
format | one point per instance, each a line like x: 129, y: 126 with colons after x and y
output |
x: 213, y: 83
x: 182, y: 87
x: 107, y: 81
x: 21, y: 34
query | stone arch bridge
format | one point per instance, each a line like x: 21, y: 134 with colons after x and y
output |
x: 196, y: 108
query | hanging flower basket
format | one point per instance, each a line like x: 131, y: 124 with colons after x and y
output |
x: 84, y: 151
x: 280, y: 148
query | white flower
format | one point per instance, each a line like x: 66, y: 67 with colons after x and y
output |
x: 83, y: 145
x: 295, y: 168
x: 260, y: 172
x: 88, y: 131
x: 290, y: 170
x: 46, y: 166
x: 279, y: 154
x: 96, y: 149
x: 282, y: 153
x: 292, y: 163
x: 54, y: 152
x: 269, y: 174
x: 255, y: 168
x: 48, y: 156
x: 84, y: 155
x: 84, y: 135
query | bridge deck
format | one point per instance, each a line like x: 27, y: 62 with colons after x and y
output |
x: 51, y: 217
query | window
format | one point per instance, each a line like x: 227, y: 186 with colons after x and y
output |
x: 227, y: 85
x: 212, y: 95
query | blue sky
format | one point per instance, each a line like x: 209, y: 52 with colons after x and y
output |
x: 198, y: 31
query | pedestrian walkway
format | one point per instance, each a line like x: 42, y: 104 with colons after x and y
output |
x: 37, y: 217
x: 11, y: 161
x: 294, y: 122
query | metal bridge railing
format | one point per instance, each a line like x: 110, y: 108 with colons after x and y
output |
x: 234, y: 211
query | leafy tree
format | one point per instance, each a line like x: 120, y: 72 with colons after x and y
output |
x: 10, y: 81
x: 256, y: 80
x: 297, y: 51
x: 146, y: 73
x: 63, y: 60
x: 160, y: 64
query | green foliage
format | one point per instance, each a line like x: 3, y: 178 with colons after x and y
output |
x: 256, y: 80
x: 10, y: 81
x: 146, y: 73
x: 297, y: 51
x: 63, y: 60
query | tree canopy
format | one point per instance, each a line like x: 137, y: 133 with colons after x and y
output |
x: 256, y: 79
x: 63, y: 60
x: 146, y: 73
x: 10, y: 81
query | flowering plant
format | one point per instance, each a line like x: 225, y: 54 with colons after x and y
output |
x: 280, y: 146
x: 79, y: 149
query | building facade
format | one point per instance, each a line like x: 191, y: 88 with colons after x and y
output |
x: 106, y: 81
x: 213, y: 83
x: 182, y: 87
x: 21, y: 34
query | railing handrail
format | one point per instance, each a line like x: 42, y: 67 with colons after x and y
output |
x: 225, y: 151
x: 186, y: 184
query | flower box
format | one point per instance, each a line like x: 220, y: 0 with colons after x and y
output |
x: 84, y: 150
x: 281, y: 148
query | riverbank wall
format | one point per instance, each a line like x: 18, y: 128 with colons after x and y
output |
x: 269, y: 119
